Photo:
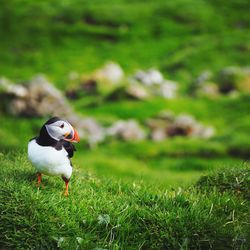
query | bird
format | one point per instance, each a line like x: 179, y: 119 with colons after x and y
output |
x: 51, y: 150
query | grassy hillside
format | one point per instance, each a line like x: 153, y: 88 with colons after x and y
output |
x: 181, y: 193
x: 104, y: 214
x: 170, y: 163
x: 182, y: 37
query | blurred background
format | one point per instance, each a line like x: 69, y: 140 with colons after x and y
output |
x: 159, y: 90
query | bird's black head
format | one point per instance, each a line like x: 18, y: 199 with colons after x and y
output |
x: 56, y: 129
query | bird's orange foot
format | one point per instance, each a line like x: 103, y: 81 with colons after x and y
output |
x: 66, y: 192
x: 39, y: 179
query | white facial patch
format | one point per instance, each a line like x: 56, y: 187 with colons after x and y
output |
x: 59, y: 129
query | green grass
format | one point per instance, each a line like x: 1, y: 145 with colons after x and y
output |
x: 182, y: 38
x: 108, y: 214
x: 173, y: 162
x: 182, y: 193
x: 237, y: 181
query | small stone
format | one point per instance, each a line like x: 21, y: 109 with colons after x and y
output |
x: 182, y: 125
x: 208, y: 89
x: 168, y: 89
x: 91, y: 130
x: 150, y: 77
x: 234, y: 78
x: 10, y: 88
x: 159, y: 134
x: 137, y: 92
x: 17, y: 106
x: 111, y: 72
x: 204, y: 77
x: 126, y: 130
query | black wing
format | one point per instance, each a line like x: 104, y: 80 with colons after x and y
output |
x: 69, y: 147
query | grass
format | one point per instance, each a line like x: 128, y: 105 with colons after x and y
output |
x: 236, y: 181
x: 171, y: 163
x: 182, y: 38
x: 182, y: 193
x: 108, y: 214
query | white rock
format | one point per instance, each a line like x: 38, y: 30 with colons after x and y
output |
x: 150, y: 77
x: 203, y: 77
x: 138, y: 92
x: 91, y: 130
x: 45, y: 99
x: 208, y: 132
x: 127, y: 130
x: 184, y: 120
x: 111, y: 72
x: 155, y: 76
x: 13, y: 89
x: 168, y: 89
x: 208, y: 89
x: 17, y: 106
x: 159, y: 134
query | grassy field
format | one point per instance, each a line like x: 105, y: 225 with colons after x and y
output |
x: 181, y: 193
x: 102, y: 213
x: 182, y: 38
x: 132, y: 195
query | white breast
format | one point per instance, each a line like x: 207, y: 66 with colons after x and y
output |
x: 47, y: 160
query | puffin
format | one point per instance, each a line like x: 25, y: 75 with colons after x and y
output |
x: 51, y: 150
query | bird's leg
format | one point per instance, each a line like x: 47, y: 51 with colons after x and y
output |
x: 66, y: 192
x: 39, y: 179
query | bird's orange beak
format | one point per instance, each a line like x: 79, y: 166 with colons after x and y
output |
x: 72, y: 138
x: 76, y: 137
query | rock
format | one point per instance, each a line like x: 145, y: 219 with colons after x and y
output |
x: 166, y: 115
x: 159, y: 125
x: 87, y: 87
x: 155, y: 76
x: 234, y: 78
x: 155, y: 83
x: 207, y: 132
x: 183, y: 125
x: 166, y: 125
x: 44, y: 99
x: 186, y: 125
x: 126, y: 130
x: 205, y: 76
x: 92, y: 131
x: 158, y: 129
x: 40, y: 98
x: 10, y: 88
x: 36, y: 98
x: 168, y: 89
x: 150, y: 77
x: 111, y: 72
x: 208, y: 89
x: 17, y: 106
x: 137, y: 92
x: 159, y: 134
x: 72, y: 94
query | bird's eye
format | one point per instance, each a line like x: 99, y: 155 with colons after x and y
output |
x: 62, y: 125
